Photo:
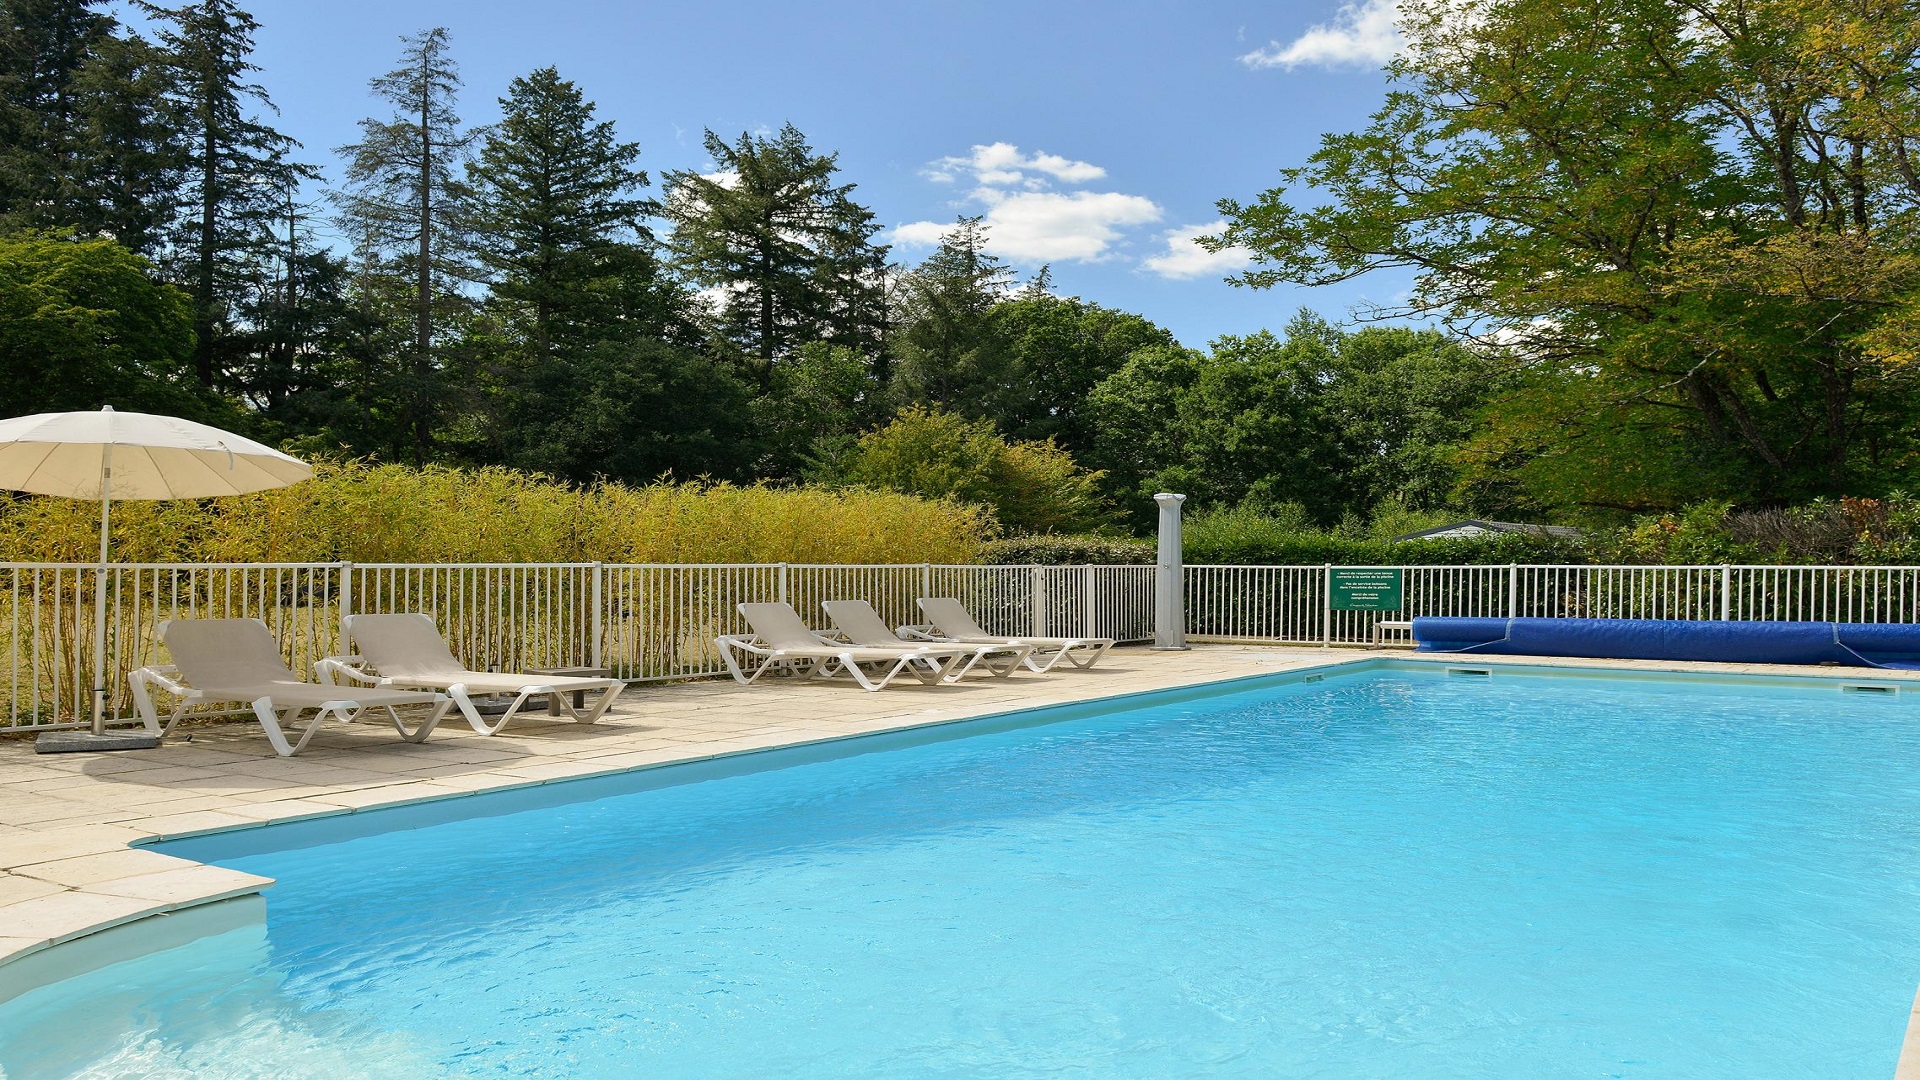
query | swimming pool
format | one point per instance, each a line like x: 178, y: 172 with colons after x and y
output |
x: 1389, y: 871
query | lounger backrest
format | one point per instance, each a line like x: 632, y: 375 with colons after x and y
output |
x: 780, y: 626
x: 861, y: 624
x: 405, y: 644
x: 220, y: 653
x: 950, y: 617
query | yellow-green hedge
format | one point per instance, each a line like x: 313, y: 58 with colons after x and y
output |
x: 391, y: 513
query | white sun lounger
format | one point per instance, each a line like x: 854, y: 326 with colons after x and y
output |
x: 406, y: 650
x: 781, y: 641
x: 860, y: 624
x: 237, y: 660
x: 948, y: 620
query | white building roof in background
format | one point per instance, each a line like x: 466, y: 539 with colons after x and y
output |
x: 1464, y: 529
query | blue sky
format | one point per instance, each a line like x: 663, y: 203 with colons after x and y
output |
x: 1095, y: 136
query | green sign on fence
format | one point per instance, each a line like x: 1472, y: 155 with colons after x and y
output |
x: 1364, y: 589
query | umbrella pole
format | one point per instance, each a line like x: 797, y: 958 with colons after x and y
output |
x: 100, y: 598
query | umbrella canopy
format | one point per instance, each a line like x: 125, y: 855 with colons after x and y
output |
x: 106, y: 455
x: 150, y: 457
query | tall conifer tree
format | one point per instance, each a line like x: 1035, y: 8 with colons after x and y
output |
x: 403, y: 200
x: 950, y: 349
x: 788, y: 249
x: 237, y: 167
x: 554, y: 205
x: 82, y: 144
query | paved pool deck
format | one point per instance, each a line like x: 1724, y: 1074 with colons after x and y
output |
x: 67, y: 820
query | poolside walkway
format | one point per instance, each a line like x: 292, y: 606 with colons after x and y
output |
x: 66, y: 820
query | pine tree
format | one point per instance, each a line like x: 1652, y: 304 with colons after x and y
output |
x: 553, y: 205
x: 82, y: 142
x: 949, y: 348
x: 237, y: 165
x: 403, y: 203
x: 294, y: 325
x: 788, y: 251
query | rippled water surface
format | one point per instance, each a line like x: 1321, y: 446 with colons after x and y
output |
x: 1382, y: 875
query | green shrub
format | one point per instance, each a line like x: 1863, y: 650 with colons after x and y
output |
x: 1245, y: 536
x: 1067, y: 551
x: 1847, y: 531
x: 1031, y: 487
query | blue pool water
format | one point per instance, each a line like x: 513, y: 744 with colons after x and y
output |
x: 1386, y: 874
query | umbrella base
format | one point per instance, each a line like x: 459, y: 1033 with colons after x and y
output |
x: 86, y: 742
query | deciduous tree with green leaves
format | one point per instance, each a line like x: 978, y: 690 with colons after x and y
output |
x: 1061, y: 347
x: 1688, y: 221
x: 1335, y: 422
x: 83, y: 323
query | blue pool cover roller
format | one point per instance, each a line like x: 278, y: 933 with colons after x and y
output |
x: 1885, y: 645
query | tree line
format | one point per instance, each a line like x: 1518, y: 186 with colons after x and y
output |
x: 1665, y: 253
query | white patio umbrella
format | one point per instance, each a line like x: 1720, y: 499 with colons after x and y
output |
x: 109, y: 455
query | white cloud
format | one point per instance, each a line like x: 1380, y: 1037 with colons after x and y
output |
x: 1048, y: 226
x: 918, y: 234
x: 1003, y: 165
x: 1364, y: 34
x: 1026, y: 221
x: 1185, y: 258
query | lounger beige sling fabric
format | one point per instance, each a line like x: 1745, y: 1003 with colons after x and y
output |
x: 237, y: 660
x: 781, y: 641
x: 856, y: 621
x: 948, y: 620
x: 406, y: 650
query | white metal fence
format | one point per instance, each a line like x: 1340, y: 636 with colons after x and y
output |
x: 659, y: 621
x: 1291, y: 604
x: 642, y: 621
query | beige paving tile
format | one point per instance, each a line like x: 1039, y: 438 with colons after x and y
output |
x: 88, y: 869
x: 191, y: 884
x: 30, y: 848
x: 202, y: 821
x: 556, y: 770
x: 391, y: 794
x: 51, y: 809
x: 14, y: 774
x: 286, y: 809
x: 488, y: 782
x: 81, y: 818
x: 166, y: 774
x: 69, y: 914
x: 15, y: 889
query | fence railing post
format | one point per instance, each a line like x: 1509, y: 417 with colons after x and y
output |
x: 1326, y: 605
x: 926, y: 583
x: 346, y: 605
x: 1037, y: 592
x: 1726, y: 592
x: 783, y: 584
x: 1513, y: 590
x: 1091, y: 627
x: 599, y: 623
